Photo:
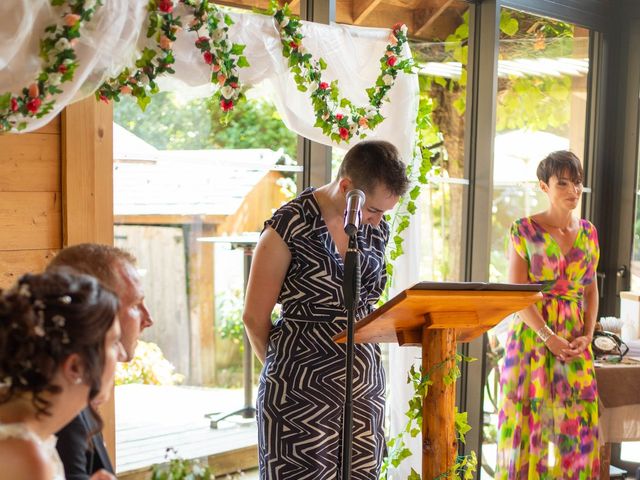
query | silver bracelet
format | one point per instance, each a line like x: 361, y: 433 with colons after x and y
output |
x: 545, y: 333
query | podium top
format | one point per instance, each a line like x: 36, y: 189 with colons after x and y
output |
x: 468, y: 308
x: 475, y: 286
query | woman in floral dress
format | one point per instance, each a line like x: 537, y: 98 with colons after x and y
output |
x: 548, y: 423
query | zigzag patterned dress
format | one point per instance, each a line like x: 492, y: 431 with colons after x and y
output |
x: 301, y: 391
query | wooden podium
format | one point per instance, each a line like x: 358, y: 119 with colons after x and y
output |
x: 436, y: 316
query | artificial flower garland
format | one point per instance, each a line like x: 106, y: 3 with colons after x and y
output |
x: 58, y: 66
x: 217, y: 51
x: 338, y: 117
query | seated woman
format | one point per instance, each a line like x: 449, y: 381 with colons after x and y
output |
x: 59, y: 343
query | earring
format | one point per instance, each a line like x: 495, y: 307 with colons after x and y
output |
x: 77, y: 380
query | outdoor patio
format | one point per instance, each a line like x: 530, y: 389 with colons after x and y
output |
x: 150, y: 419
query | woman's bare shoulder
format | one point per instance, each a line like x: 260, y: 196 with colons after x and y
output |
x: 23, y: 459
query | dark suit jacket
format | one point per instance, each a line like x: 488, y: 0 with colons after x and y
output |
x: 80, y: 458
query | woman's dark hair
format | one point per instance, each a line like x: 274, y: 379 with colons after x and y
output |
x: 559, y: 163
x: 45, y: 318
x: 375, y: 162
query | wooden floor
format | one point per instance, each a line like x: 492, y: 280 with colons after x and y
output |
x: 152, y: 419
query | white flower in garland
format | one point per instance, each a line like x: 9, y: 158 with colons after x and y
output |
x: 58, y: 65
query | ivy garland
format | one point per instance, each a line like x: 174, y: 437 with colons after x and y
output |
x: 217, y: 50
x: 338, y: 117
x: 465, y: 466
x: 58, y: 66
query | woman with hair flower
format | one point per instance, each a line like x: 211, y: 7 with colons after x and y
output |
x: 59, y: 343
x: 549, y: 406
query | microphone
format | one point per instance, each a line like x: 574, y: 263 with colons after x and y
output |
x: 353, y: 214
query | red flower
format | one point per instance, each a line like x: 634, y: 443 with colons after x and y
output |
x: 323, y: 85
x: 233, y: 85
x: 165, y: 6
x: 14, y: 104
x: 208, y: 57
x: 397, y: 26
x: 344, y: 133
x: 226, y: 105
x: 293, y: 45
x: 34, y: 105
x: 339, y: 116
x: 202, y: 40
x: 62, y: 68
x: 104, y: 99
x: 391, y: 61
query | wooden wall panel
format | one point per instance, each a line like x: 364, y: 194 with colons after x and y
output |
x: 30, y: 163
x: 30, y: 220
x: 15, y: 263
x: 30, y: 201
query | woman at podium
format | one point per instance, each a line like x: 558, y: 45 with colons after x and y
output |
x: 299, y: 263
x: 549, y: 407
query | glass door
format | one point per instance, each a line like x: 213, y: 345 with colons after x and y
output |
x: 541, y: 107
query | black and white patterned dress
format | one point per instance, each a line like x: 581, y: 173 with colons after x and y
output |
x: 301, y: 392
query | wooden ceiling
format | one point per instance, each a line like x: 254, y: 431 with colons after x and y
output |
x: 426, y: 19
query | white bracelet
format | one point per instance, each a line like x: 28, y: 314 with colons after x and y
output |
x: 545, y: 333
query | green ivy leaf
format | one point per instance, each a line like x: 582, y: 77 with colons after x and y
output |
x: 5, y: 101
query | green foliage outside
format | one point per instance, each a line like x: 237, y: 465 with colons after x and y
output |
x: 180, y: 469
x: 229, y: 306
x: 170, y: 124
x: 149, y: 366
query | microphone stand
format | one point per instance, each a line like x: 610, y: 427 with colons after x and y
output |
x: 351, y: 292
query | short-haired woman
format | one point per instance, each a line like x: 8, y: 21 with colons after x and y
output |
x: 299, y: 262
x: 549, y: 407
x: 59, y: 343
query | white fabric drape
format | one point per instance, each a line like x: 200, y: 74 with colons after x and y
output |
x: 118, y: 31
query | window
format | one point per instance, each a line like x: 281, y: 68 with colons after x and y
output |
x: 190, y: 199
x: 541, y: 107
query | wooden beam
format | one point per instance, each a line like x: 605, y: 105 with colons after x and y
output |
x: 201, y: 286
x: 87, y: 194
x: 87, y: 172
x: 433, y: 16
x: 362, y: 8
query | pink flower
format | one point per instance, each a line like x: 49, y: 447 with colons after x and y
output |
x: 323, y: 85
x: 215, y: 67
x: 233, y: 85
x: 34, y: 105
x: 165, y: 6
x: 165, y: 43
x: 221, y: 79
x: 34, y: 90
x: 104, y: 99
x: 363, y: 122
x: 70, y: 19
x: 226, y: 105
x: 14, y: 104
x: 208, y: 57
x: 202, y: 40
x: 393, y: 40
x: 391, y: 61
x: 339, y: 116
x: 125, y: 89
x: 344, y: 133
